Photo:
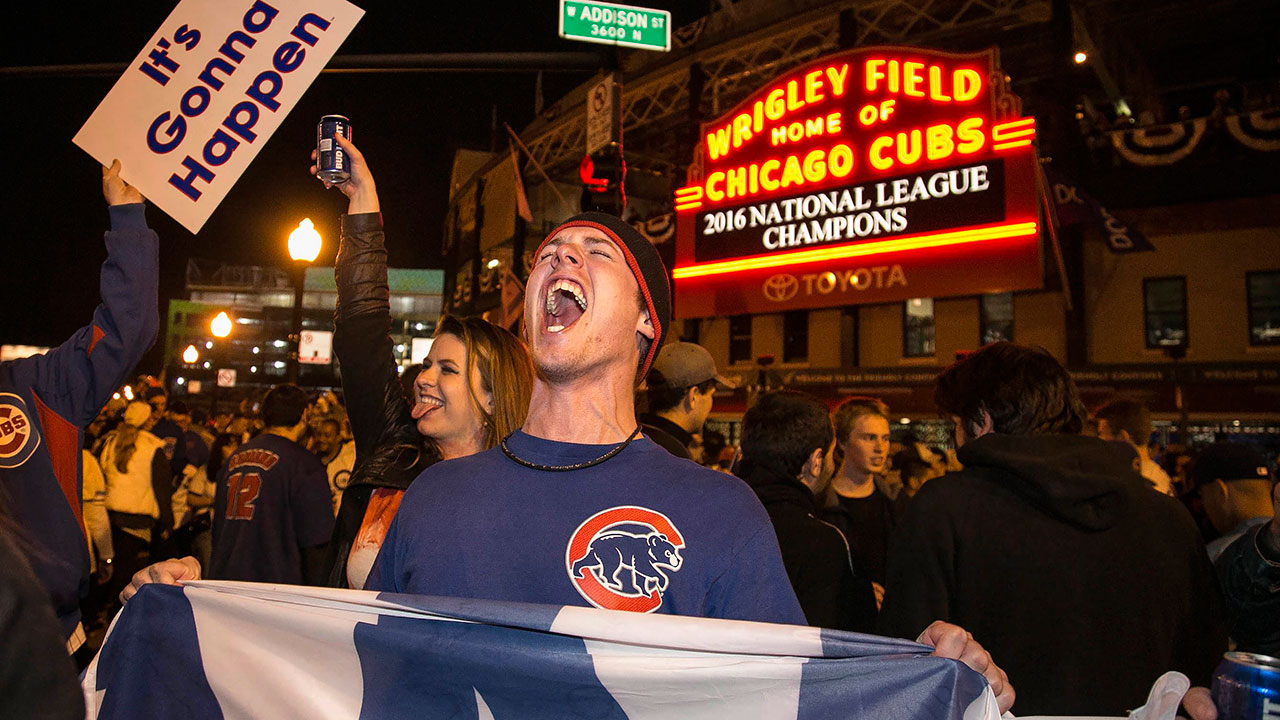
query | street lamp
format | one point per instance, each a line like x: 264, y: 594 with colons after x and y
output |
x: 220, y: 326
x: 304, y: 247
x: 190, y: 355
x: 304, y: 242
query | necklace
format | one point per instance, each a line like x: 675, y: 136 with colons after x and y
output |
x: 565, y: 468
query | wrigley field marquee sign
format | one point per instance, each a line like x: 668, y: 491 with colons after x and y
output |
x: 872, y: 175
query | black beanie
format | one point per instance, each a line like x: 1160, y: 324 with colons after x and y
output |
x: 646, y: 265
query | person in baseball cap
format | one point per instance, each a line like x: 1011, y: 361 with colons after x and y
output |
x: 1235, y: 485
x: 680, y: 393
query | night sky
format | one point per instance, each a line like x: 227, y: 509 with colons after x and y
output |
x: 408, y: 125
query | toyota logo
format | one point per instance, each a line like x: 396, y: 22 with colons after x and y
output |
x: 781, y: 287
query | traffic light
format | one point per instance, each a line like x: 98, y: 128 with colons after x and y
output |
x: 603, y: 177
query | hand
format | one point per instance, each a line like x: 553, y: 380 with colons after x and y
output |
x: 951, y: 641
x: 878, y: 590
x: 1199, y: 704
x: 104, y: 572
x: 116, y: 190
x: 167, y: 572
x: 360, y: 190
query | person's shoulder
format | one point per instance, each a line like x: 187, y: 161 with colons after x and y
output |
x: 443, y: 477
x: 682, y: 470
x: 825, y: 537
x: 953, y: 485
x: 148, y: 438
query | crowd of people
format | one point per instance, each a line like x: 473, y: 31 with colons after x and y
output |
x: 1044, y: 550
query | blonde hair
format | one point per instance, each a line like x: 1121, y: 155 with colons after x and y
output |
x: 123, y: 445
x: 125, y: 439
x: 505, y: 371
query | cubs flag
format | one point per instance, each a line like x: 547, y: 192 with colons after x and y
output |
x: 249, y: 650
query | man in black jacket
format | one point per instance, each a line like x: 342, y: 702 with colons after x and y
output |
x: 1050, y: 548
x: 787, y: 446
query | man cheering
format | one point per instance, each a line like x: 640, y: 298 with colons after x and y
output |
x: 578, y: 507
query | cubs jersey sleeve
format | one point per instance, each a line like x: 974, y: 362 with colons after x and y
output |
x: 45, y: 400
x: 272, y: 502
x: 644, y: 531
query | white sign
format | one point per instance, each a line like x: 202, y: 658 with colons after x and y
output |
x: 600, y: 114
x: 316, y: 347
x: 226, y: 377
x: 202, y: 98
x: 419, y: 348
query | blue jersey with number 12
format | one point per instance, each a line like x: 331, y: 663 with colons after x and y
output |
x: 272, y: 501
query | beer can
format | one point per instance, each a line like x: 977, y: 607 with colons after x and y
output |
x: 332, y: 163
x: 1246, y: 686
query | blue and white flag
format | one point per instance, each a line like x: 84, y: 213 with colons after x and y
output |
x: 249, y: 650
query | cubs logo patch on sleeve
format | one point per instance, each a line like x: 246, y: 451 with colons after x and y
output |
x: 18, y: 439
x: 618, y: 559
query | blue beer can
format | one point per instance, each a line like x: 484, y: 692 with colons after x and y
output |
x: 1246, y: 686
x: 332, y: 163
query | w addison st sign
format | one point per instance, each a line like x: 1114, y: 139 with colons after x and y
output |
x: 873, y: 175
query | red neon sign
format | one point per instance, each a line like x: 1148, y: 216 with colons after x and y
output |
x: 864, y: 153
x: 840, y: 252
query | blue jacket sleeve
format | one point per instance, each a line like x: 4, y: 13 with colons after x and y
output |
x: 77, y: 378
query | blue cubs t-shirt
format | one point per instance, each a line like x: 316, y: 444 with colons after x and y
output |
x: 643, y: 531
x: 272, y: 501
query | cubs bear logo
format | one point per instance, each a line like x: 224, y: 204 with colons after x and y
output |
x: 18, y: 440
x: 616, y: 558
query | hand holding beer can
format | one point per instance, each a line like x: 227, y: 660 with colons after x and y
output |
x: 332, y: 164
x: 1246, y: 686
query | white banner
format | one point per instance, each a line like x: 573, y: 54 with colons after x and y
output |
x: 197, y: 104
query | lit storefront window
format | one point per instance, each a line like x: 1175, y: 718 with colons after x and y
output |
x: 996, y: 313
x: 1164, y: 305
x: 917, y: 327
x: 1264, y: 307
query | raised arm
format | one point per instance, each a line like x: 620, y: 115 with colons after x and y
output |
x: 77, y: 378
x: 362, y: 321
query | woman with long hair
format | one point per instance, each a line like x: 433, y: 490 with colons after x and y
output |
x: 139, y: 493
x: 473, y: 389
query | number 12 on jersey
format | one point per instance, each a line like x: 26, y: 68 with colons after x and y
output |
x: 242, y: 493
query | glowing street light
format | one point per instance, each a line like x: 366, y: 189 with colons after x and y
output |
x: 304, y: 242
x: 1080, y: 57
x: 190, y: 355
x: 304, y: 247
x: 220, y: 326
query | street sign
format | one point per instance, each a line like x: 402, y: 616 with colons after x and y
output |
x: 226, y: 377
x: 603, y: 103
x: 611, y: 24
x: 316, y: 347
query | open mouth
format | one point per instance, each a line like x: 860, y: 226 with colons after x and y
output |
x: 424, y: 404
x: 565, y: 303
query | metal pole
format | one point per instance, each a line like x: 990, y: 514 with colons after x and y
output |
x: 295, y: 332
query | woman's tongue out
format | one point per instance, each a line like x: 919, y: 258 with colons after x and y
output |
x: 564, y: 311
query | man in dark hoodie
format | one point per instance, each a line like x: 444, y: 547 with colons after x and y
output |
x: 1049, y: 548
x: 787, y: 449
